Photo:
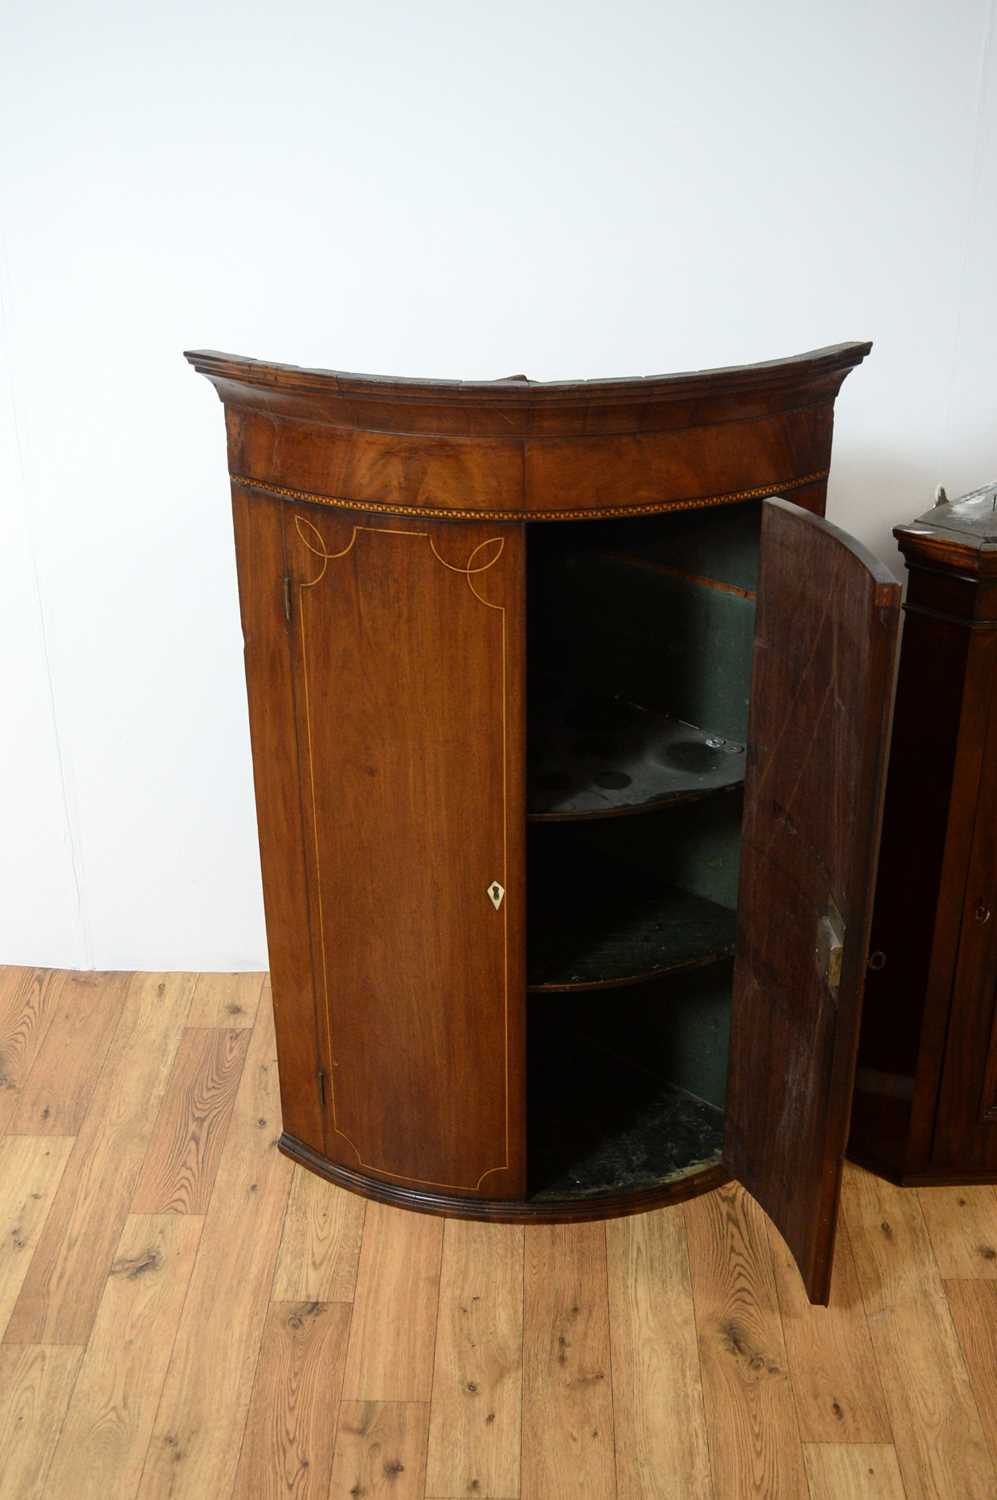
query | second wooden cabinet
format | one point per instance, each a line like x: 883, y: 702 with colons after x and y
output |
x: 568, y: 743
x: 925, y: 1106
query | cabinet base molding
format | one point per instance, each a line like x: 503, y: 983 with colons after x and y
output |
x: 506, y: 1210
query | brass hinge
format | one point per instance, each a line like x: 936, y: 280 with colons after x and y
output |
x: 287, y: 599
x: 321, y: 1089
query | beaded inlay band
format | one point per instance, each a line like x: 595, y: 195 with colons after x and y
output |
x: 446, y: 513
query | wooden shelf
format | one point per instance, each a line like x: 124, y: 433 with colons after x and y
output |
x: 596, y: 933
x: 602, y: 1126
x: 599, y: 758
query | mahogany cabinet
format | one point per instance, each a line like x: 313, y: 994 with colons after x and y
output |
x: 568, y: 739
x: 926, y: 1090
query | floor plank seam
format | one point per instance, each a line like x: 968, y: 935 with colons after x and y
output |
x: 769, y: 1258
x: 436, y: 1340
x: 710, y: 1446
x: 913, y: 1482
x: 252, y: 1386
x: 180, y: 1315
x: 347, y: 1338
x: 522, y: 1365
x: 877, y: 1361
x: 947, y: 1313
x: 962, y: 1356
x: 845, y: 1233
x: 609, y: 1352
x: 40, y: 1486
x: 263, y: 1322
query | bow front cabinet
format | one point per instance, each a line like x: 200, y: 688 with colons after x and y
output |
x: 568, y: 715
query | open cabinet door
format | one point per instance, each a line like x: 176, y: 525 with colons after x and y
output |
x: 817, y: 739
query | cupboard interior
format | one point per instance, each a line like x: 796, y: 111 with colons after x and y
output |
x: 639, y: 651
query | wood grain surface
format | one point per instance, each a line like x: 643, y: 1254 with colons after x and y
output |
x: 477, y: 1398
x: 394, y: 1311
x: 59, y: 1298
x: 749, y: 1402
x: 291, y: 1428
x: 933, y: 1413
x: 974, y: 1312
x: 817, y: 747
x: 380, y: 1451
x: 226, y: 1000
x: 36, y: 1383
x: 508, y: 448
x: 661, y: 1443
x: 669, y: 1356
x: 839, y: 1397
x: 259, y: 541
x: 384, y: 811
x: 853, y: 1471
x: 320, y: 1248
x: 104, y: 1439
x: 187, y: 1139
x: 228, y: 1298
x: 568, y: 1444
x: 28, y: 1001
x: 962, y: 1225
x: 54, y: 1097
x: 31, y: 1168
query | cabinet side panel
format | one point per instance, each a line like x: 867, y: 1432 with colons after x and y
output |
x: 915, y: 845
x: 966, y: 1129
x: 260, y: 555
x: 408, y: 654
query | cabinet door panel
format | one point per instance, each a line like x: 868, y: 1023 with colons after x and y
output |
x: 822, y: 673
x: 407, y: 639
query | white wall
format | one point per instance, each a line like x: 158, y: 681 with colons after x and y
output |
x: 436, y: 189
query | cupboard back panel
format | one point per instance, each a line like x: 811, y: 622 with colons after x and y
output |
x: 659, y: 611
x: 606, y: 1114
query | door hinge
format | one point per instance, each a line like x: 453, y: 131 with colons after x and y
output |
x: 287, y: 599
x: 321, y: 1089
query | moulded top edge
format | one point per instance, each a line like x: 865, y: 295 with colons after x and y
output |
x: 511, y: 391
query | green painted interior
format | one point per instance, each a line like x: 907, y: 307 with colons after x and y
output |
x: 631, y: 610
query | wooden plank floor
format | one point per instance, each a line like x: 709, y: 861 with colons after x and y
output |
x: 185, y: 1314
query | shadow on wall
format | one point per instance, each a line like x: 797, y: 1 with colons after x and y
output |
x: 867, y: 484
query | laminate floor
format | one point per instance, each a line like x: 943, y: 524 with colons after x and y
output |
x: 185, y: 1314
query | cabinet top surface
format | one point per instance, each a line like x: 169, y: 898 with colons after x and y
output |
x: 232, y: 373
x: 961, y: 533
x: 974, y: 514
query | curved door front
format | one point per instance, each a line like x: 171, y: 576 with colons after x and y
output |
x: 407, y: 651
